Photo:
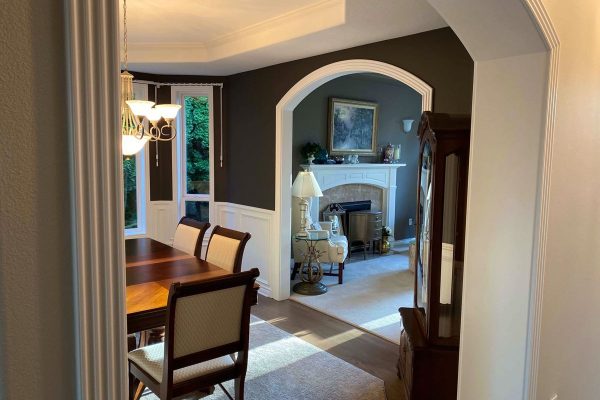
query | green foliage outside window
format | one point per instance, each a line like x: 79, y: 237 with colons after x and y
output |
x: 129, y: 179
x: 197, y: 145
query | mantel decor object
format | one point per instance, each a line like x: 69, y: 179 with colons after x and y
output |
x: 388, y: 154
x: 397, y: 150
x: 309, y: 151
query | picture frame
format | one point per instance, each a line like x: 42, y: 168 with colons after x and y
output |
x: 352, y: 127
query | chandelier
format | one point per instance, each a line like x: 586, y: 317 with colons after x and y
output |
x: 136, y: 115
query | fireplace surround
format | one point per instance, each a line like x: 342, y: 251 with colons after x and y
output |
x: 380, y: 175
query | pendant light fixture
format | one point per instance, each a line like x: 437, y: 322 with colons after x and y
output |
x: 134, y: 113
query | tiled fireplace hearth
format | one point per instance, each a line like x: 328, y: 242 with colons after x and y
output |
x: 376, y: 182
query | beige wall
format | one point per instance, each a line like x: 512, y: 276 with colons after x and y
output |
x: 505, y: 142
x: 501, y: 215
x: 570, y: 350
x: 37, y: 343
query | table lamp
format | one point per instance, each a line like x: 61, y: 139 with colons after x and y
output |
x: 305, y: 186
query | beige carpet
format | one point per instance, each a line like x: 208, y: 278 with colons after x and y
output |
x: 284, y: 367
x: 370, y: 296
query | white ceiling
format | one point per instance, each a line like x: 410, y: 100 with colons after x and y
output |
x: 223, y: 37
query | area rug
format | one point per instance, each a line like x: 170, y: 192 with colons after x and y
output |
x: 370, y: 296
x: 284, y: 367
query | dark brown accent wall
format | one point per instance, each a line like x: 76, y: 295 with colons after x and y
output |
x: 161, y: 182
x: 437, y: 57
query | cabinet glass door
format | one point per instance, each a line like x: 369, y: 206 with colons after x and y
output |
x: 425, y: 197
x: 451, y: 267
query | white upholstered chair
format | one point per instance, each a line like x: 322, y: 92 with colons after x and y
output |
x: 333, y: 251
x: 226, y: 248
x: 206, y: 339
x: 189, y: 235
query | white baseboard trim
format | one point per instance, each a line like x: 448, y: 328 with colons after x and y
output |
x: 265, y: 288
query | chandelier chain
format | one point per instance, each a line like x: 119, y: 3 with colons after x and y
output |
x: 125, y: 33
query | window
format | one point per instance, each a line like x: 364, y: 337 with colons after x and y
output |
x: 195, y: 152
x: 134, y: 194
x: 130, y: 190
x: 134, y: 178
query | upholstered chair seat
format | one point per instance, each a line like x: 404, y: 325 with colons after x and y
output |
x: 151, y: 359
x: 206, y: 339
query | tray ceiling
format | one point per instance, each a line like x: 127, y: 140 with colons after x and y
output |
x: 223, y: 37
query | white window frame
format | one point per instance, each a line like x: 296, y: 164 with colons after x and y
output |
x: 140, y: 91
x: 178, y: 95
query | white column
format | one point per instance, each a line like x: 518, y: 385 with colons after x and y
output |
x: 99, y: 260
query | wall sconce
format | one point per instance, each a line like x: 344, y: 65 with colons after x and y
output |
x: 407, y: 125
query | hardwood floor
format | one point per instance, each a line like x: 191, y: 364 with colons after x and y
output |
x: 363, y: 350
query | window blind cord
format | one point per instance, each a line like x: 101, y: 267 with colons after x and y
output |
x: 221, y: 124
x: 156, y: 101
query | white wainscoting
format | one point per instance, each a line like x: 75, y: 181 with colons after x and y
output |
x: 260, y: 252
x: 161, y: 221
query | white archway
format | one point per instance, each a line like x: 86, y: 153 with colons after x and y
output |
x: 283, y: 159
x: 501, y: 334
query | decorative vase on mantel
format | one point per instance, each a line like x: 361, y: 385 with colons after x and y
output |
x: 388, y: 154
x: 310, y: 159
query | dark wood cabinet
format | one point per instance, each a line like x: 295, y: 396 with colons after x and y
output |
x: 428, y: 362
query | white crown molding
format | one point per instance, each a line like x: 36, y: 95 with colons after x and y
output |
x: 321, y: 10
x: 303, y: 21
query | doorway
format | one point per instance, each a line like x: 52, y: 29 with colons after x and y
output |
x: 514, y: 91
x: 376, y: 278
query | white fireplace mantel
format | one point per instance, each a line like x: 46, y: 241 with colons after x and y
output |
x: 379, y: 175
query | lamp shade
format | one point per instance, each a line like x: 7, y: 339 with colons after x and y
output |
x: 305, y: 185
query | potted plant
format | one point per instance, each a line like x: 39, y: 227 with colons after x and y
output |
x: 309, y: 150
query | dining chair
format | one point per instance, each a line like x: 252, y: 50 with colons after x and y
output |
x: 206, y: 341
x: 226, y: 248
x: 189, y: 236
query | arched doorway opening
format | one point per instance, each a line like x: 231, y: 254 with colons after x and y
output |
x: 284, y: 127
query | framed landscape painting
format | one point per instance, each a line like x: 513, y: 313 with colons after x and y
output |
x: 352, y: 127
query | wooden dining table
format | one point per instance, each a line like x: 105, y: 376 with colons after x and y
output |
x: 151, y: 268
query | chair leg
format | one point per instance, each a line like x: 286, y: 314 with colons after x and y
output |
x: 239, y: 387
x: 295, y: 270
x: 341, y: 273
x: 133, y: 385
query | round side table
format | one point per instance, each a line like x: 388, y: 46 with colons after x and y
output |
x: 311, y: 271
